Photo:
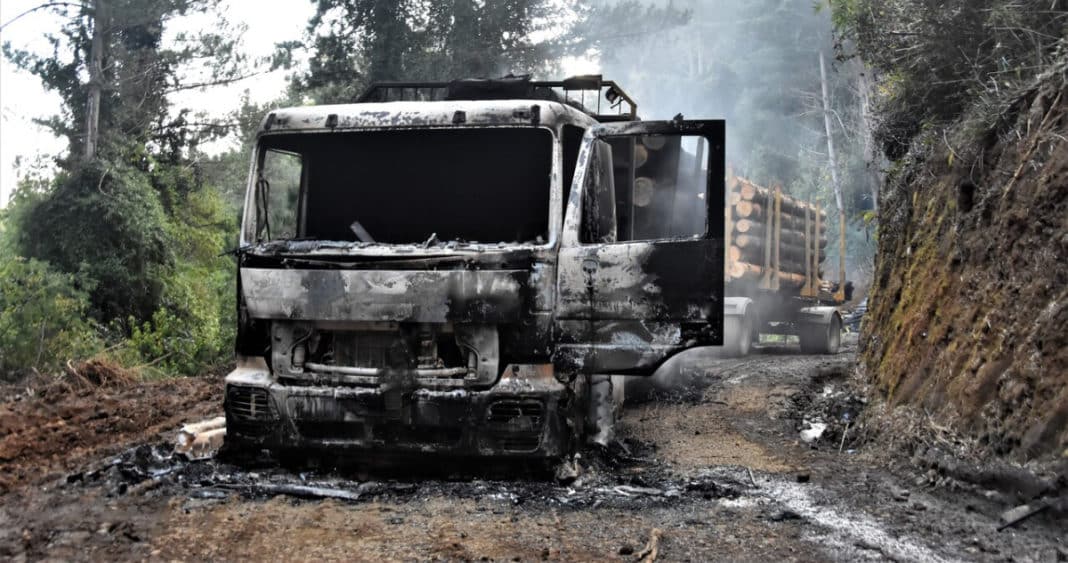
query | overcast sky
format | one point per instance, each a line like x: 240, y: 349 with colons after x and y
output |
x: 22, y: 98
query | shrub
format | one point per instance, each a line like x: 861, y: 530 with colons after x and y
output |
x: 105, y: 223
x: 43, y: 319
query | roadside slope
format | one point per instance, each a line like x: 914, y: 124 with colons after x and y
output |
x: 969, y: 310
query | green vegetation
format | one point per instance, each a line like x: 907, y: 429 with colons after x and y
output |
x: 120, y: 252
x: 935, y: 60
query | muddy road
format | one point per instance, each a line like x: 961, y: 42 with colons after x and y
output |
x: 719, y: 459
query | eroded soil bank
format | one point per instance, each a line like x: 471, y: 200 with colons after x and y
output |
x: 968, y: 315
x: 713, y: 465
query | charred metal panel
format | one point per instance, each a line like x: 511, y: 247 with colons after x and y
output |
x: 661, y: 280
x: 385, y: 354
x: 527, y: 414
x: 631, y: 346
x: 385, y: 295
x: 419, y: 115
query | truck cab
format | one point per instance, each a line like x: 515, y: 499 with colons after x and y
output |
x: 458, y: 268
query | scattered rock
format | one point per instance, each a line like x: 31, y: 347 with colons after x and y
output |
x: 784, y: 515
x: 813, y: 431
x: 899, y: 494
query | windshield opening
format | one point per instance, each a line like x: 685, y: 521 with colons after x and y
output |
x: 404, y: 187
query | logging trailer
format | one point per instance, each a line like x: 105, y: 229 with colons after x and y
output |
x: 775, y: 246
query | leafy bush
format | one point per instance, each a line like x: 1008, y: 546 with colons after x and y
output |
x: 42, y: 318
x: 142, y: 256
x: 193, y: 329
x: 103, y: 222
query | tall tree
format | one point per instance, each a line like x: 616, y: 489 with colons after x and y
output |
x: 356, y: 42
x: 118, y: 45
x: 96, y: 72
x: 122, y: 211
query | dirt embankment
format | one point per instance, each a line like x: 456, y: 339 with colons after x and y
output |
x: 49, y: 428
x: 969, y: 310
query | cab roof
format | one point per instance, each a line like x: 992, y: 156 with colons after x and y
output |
x: 512, y: 100
x: 409, y: 115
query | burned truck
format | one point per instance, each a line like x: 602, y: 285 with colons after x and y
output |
x: 465, y: 268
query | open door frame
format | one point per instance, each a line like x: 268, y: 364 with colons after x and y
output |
x: 626, y: 307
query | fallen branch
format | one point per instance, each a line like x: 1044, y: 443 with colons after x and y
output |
x: 649, y: 552
x: 85, y: 382
x: 1012, y: 517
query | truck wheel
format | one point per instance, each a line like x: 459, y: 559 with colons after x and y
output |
x: 820, y: 338
x: 737, y: 335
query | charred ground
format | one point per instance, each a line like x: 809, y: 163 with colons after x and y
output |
x: 711, y: 462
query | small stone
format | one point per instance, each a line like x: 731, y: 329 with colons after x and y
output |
x: 785, y: 515
x: 899, y: 494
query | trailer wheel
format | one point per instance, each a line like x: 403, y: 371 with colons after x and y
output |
x: 821, y: 338
x: 737, y: 335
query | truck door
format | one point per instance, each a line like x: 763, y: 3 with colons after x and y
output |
x: 640, y: 273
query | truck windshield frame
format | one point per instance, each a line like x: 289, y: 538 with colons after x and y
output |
x: 489, y: 185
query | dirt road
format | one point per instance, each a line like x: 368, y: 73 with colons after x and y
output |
x: 713, y: 466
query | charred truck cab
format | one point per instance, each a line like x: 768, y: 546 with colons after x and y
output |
x: 461, y: 268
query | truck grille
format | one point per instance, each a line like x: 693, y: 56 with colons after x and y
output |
x: 370, y: 349
x: 249, y: 404
x: 518, y: 443
x: 504, y: 412
x: 515, y: 426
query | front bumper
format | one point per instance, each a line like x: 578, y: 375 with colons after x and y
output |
x: 527, y: 414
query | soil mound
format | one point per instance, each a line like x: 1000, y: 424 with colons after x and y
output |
x: 50, y: 429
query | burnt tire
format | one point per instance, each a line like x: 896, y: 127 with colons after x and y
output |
x: 821, y: 338
x: 737, y: 335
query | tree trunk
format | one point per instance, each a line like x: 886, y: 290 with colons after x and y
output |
x: 96, y: 66
x: 834, y: 179
x: 830, y: 138
x: 871, y: 158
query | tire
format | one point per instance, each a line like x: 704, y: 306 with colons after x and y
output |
x: 737, y: 336
x: 821, y: 339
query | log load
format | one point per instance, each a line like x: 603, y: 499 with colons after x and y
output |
x: 788, y: 262
x: 750, y: 209
x: 746, y: 271
x: 748, y: 191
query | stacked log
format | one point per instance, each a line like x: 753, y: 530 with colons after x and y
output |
x: 752, y: 253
